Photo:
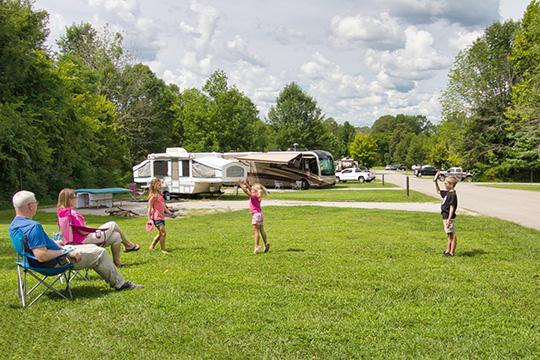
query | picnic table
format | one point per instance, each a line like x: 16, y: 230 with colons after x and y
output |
x: 97, y: 197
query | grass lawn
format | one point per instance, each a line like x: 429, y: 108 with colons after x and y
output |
x: 337, y: 283
x: 370, y: 196
x: 530, y: 187
x: 365, y: 185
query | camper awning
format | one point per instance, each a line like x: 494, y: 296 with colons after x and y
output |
x: 276, y: 158
x: 214, y: 162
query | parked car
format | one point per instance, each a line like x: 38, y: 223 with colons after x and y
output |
x: 391, y: 167
x: 426, y: 171
x: 355, y: 174
x: 402, y: 167
x: 458, y: 173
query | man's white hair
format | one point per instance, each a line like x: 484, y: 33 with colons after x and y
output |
x: 23, y: 198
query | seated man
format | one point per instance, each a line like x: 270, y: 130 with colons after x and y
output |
x: 45, y: 249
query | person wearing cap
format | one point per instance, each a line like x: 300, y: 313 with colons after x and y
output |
x: 45, y: 249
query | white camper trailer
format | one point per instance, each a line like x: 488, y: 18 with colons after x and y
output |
x: 189, y: 173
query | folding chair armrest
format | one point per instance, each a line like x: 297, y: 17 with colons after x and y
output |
x: 65, y: 253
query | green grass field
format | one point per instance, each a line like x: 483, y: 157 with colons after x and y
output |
x: 529, y: 187
x: 365, y: 185
x: 337, y: 283
x: 351, y: 195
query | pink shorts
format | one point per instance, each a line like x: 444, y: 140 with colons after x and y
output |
x: 257, y: 219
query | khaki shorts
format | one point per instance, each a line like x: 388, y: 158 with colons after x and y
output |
x: 257, y: 219
x: 450, y: 229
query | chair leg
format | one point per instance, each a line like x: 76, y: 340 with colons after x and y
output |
x: 41, y: 281
x: 68, y: 288
x: 21, y: 286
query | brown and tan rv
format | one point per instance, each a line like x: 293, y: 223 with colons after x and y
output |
x: 291, y: 169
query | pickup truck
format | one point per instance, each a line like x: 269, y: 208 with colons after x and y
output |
x: 353, y: 174
x: 458, y: 173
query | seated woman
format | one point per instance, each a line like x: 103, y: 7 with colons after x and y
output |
x: 108, y: 235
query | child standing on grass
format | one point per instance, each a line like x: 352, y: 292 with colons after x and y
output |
x: 156, y: 214
x: 448, y: 211
x: 255, y: 193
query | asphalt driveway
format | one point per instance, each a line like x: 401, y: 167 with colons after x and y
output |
x: 519, y: 206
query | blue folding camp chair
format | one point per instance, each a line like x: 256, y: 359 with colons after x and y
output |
x: 41, y: 274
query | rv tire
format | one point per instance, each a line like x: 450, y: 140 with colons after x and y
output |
x: 361, y: 179
x: 305, y: 184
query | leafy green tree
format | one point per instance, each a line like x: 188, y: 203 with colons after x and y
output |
x: 346, y: 134
x: 216, y: 84
x: 296, y: 118
x: 100, y: 51
x: 223, y: 120
x: 32, y: 106
x: 524, y: 113
x: 401, y: 148
x: 146, y: 111
x: 418, y: 150
x: 364, y: 149
x: 438, y: 156
x: 480, y: 85
x: 193, y: 114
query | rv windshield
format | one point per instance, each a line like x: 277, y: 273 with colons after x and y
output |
x: 327, y: 167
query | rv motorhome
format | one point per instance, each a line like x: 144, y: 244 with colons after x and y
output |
x: 189, y: 173
x: 296, y: 169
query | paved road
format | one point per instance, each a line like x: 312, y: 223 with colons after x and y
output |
x: 519, y: 206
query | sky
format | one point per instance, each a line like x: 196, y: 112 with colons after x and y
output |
x: 359, y: 59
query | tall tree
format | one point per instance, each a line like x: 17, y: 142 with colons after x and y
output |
x: 225, y: 120
x: 524, y: 114
x: 145, y: 111
x: 296, y: 118
x: 364, y: 149
x: 32, y: 106
x: 480, y: 84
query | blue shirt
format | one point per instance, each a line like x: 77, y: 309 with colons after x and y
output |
x: 34, y: 233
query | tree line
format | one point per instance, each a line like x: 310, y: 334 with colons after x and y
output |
x: 83, y: 115
x: 490, y: 121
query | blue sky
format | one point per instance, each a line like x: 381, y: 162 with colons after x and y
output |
x: 358, y: 59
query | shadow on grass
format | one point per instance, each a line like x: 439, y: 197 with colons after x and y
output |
x: 78, y: 291
x: 474, y: 252
x: 295, y: 250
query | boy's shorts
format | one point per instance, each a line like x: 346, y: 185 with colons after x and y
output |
x: 450, y: 229
x: 158, y: 223
x: 257, y: 219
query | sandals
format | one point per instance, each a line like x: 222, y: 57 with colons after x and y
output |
x: 266, y: 248
x: 135, y: 247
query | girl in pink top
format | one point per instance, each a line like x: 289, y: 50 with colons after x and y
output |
x: 156, y: 214
x: 108, y: 234
x: 255, y: 193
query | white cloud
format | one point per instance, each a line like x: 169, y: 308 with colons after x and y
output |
x: 141, y: 33
x: 206, y: 18
x: 465, y: 12
x: 383, y: 32
x: 239, y: 50
x: 358, y: 59
x: 283, y: 34
x: 415, y: 61
x: 326, y: 77
x: 463, y: 39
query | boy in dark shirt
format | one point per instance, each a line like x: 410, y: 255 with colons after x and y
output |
x: 448, y: 211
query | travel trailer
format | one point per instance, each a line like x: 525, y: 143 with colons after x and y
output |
x: 295, y: 169
x: 189, y: 173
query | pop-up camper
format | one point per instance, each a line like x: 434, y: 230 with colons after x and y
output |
x: 189, y: 173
